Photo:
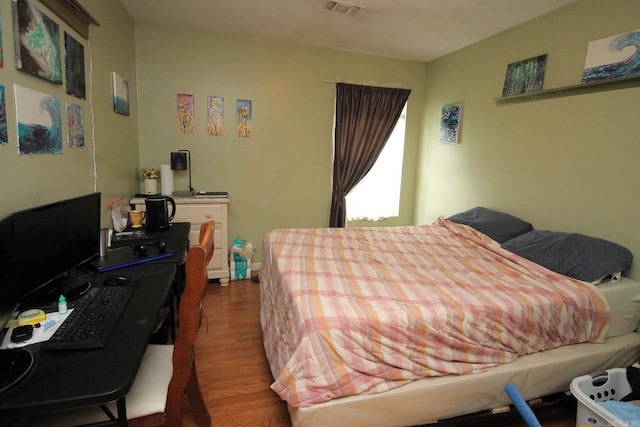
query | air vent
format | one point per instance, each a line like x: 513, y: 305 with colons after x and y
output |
x: 342, y: 7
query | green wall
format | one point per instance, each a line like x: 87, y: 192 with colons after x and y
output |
x: 281, y: 177
x: 111, y: 139
x: 567, y: 164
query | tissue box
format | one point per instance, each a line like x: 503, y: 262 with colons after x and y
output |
x: 239, y: 267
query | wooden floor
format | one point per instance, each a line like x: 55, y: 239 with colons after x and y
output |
x: 235, y: 377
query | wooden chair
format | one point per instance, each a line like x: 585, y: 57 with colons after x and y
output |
x: 167, y: 372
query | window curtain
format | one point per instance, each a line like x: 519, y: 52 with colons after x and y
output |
x: 365, y: 118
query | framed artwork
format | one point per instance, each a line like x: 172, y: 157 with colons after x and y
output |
x: 39, y: 122
x: 525, y: 76
x: 1, y: 47
x: 244, y: 113
x: 120, y: 95
x: 186, y: 113
x: 215, y: 116
x: 450, y: 124
x: 612, y: 57
x: 75, y: 126
x: 4, y: 136
x: 74, y: 66
x: 37, y: 42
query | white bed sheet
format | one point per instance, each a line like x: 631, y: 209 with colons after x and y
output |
x: 624, y: 302
x: 431, y: 399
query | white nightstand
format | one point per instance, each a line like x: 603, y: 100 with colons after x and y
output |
x: 197, y: 210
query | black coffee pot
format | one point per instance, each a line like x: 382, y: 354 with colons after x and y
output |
x: 158, y: 217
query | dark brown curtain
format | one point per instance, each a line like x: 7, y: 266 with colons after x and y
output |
x: 365, y: 118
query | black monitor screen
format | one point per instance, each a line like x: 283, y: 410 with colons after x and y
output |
x: 51, y: 240
x: 9, y: 289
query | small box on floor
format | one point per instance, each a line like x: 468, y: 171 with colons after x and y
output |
x: 240, y: 267
x: 240, y: 259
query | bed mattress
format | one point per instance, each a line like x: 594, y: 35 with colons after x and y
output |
x: 431, y: 399
x: 300, y: 265
x: 624, y: 302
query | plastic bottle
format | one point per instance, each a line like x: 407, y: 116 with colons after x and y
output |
x: 62, y: 305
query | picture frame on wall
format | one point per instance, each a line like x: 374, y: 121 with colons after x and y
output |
x: 450, y: 123
x: 525, y: 76
x: 37, y: 42
x: 74, y: 67
x: 39, y: 119
x: 612, y: 57
x: 186, y: 110
x: 120, y: 95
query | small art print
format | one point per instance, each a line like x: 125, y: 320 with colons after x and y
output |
x: 612, y: 57
x: 75, y: 127
x: 74, y: 66
x: 39, y: 122
x: 120, y: 95
x: 186, y: 113
x: 37, y: 42
x: 215, y: 116
x: 244, y: 115
x: 450, y: 124
x: 525, y: 76
x: 4, y: 136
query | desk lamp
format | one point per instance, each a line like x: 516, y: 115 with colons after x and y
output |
x: 180, y: 161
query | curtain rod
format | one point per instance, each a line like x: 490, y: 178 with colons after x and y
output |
x: 368, y: 83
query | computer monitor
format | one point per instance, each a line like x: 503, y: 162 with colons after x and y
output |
x: 9, y: 289
x: 51, y: 240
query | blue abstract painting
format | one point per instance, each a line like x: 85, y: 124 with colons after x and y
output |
x: 120, y: 95
x: 3, y: 119
x: 525, y: 76
x: 39, y: 122
x: 450, y: 124
x: 37, y: 42
x: 613, y: 57
x: 74, y: 66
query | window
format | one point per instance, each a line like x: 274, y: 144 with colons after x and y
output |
x: 377, y: 196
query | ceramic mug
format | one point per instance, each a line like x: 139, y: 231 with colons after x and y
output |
x: 136, y: 218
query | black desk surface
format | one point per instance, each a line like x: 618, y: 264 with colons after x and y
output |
x: 74, y: 378
x: 176, y: 237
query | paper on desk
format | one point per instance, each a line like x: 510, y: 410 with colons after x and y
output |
x: 39, y: 334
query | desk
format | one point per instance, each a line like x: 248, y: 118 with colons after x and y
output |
x: 69, y: 379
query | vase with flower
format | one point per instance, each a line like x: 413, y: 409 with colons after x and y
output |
x: 150, y: 176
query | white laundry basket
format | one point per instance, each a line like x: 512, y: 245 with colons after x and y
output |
x: 588, y: 390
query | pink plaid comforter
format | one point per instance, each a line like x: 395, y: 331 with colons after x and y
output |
x: 364, y: 310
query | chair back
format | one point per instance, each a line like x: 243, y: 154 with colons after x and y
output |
x: 189, y: 318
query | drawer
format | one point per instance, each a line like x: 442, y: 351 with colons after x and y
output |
x: 201, y: 213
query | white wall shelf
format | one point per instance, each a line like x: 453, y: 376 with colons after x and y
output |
x: 581, y: 89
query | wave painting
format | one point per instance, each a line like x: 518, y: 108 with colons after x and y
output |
x: 37, y: 42
x: 613, y: 57
x: 39, y: 122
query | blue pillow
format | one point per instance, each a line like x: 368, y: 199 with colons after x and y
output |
x: 575, y: 255
x: 499, y: 226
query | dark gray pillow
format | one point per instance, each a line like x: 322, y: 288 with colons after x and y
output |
x: 572, y: 254
x: 499, y: 226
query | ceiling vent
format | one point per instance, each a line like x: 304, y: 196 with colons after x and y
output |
x: 342, y: 7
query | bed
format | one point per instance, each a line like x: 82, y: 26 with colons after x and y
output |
x: 411, y: 325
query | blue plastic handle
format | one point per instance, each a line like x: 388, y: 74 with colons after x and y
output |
x: 522, y: 407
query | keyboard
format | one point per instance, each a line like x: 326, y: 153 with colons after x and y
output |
x: 92, y: 320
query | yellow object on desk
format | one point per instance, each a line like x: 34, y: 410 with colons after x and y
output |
x: 31, y: 317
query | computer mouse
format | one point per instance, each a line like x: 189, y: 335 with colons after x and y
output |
x: 140, y: 249
x: 116, y: 280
